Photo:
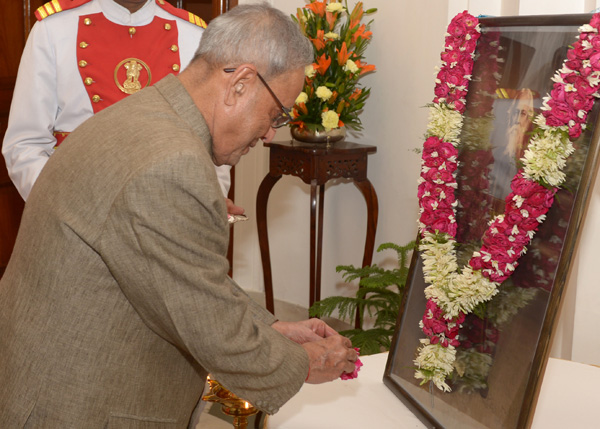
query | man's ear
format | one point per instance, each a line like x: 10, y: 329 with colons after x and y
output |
x: 240, y: 83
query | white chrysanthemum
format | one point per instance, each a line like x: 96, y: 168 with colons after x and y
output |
x: 444, y: 123
x: 334, y: 7
x: 323, y: 93
x: 329, y: 120
x: 309, y: 71
x: 350, y: 66
x: 302, y: 98
x: 331, y: 35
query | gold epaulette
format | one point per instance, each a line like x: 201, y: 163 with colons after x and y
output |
x: 180, y: 13
x: 55, y: 6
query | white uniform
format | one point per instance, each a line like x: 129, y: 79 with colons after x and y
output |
x: 50, y: 94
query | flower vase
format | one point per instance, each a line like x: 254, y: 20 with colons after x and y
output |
x: 309, y: 136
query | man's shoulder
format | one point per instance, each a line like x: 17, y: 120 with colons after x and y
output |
x: 181, y: 13
x: 56, y: 6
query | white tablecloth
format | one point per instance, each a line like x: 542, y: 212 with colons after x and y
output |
x: 568, y: 399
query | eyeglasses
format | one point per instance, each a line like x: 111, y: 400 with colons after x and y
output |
x: 285, y: 117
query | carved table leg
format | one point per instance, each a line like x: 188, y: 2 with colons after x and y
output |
x: 366, y: 188
x: 313, y: 242
x: 263, y: 236
x: 317, y: 295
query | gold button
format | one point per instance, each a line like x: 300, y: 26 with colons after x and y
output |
x: 175, y: 67
x: 96, y: 98
x: 131, y: 31
x: 167, y: 27
x: 174, y: 48
x: 87, y: 21
x: 88, y: 81
x: 83, y: 63
x: 83, y: 45
x: 161, y: 1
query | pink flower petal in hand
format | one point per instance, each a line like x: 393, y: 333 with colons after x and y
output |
x: 357, y: 365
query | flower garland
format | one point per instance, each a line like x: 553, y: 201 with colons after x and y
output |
x: 452, y: 293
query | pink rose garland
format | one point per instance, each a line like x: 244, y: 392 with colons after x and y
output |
x: 564, y: 111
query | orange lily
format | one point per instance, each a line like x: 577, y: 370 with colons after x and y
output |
x: 302, y: 108
x: 361, y: 33
x: 355, y: 94
x: 331, y: 18
x: 365, y: 68
x: 319, y: 42
x: 343, y: 55
x: 323, y: 63
x: 333, y: 97
x: 317, y: 7
x: 356, y: 15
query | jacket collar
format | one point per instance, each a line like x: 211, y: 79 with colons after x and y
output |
x: 180, y: 100
x: 118, y: 14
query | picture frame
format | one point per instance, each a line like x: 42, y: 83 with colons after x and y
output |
x: 505, y: 344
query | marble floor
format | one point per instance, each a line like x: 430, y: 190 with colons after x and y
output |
x: 284, y: 311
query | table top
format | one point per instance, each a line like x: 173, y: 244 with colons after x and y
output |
x: 568, y: 398
x: 343, y: 146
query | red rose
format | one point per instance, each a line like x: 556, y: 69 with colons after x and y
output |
x: 558, y: 92
x: 447, y: 150
x: 575, y: 131
x: 578, y: 51
x: 437, y: 175
x: 579, y: 101
x: 513, y: 217
x: 523, y: 187
x: 595, y: 61
x: 529, y: 224
x: 580, y: 83
x: 460, y: 106
x: 431, y: 143
x: 560, y: 114
x: 476, y: 263
x: 433, y: 162
x: 451, y: 56
x: 574, y: 64
x: 456, y: 30
x: 441, y: 90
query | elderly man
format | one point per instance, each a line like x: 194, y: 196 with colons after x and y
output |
x: 116, y: 302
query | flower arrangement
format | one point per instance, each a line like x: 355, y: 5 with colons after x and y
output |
x: 331, y: 97
x: 455, y: 293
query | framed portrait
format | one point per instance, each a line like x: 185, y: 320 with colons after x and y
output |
x: 504, y: 344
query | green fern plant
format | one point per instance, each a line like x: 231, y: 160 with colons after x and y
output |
x: 379, y: 295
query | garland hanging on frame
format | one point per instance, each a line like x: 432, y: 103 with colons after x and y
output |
x: 452, y: 292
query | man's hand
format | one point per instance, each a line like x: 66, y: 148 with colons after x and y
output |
x: 329, y: 358
x: 232, y: 208
x: 305, y: 330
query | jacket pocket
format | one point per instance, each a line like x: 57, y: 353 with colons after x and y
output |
x: 127, y: 421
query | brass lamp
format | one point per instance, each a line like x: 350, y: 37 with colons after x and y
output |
x: 231, y: 404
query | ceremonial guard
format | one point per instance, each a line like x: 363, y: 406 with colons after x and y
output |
x: 81, y: 57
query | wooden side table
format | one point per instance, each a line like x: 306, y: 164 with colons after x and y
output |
x: 315, y: 164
